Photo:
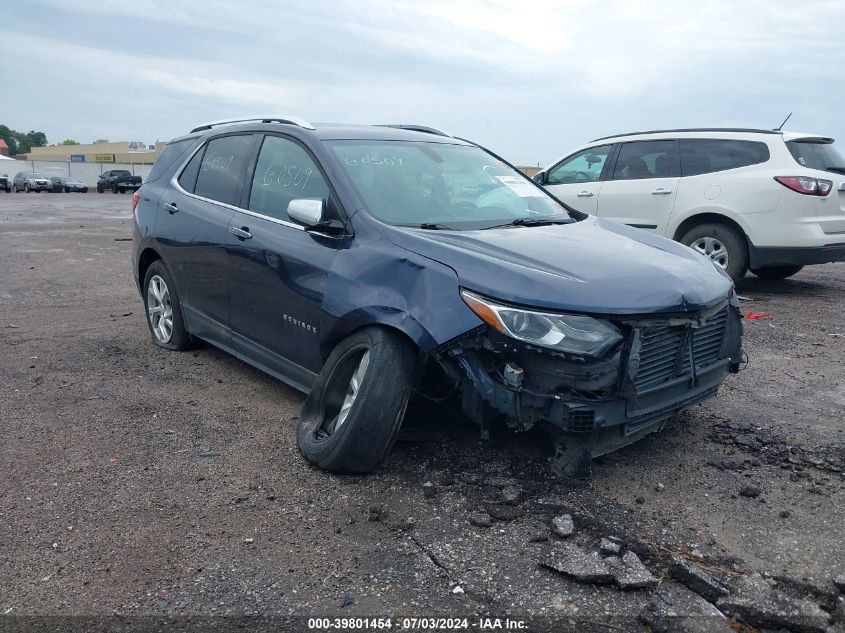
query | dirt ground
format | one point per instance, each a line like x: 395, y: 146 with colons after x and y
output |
x: 150, y: 484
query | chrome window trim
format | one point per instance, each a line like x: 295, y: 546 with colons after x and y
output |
x: 175, y: 182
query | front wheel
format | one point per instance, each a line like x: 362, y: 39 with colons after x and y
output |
x: 164, y: 311
x: 114, y: 189
x: 26, y: 188
x: 776, y: 272
x: 352, y: 415
x: 724, y: 245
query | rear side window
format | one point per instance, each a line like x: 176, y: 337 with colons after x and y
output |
x: 817, y: 155
x: 704, y: 156
x: 221, y: 169
x: 284, y: 172
x: 168, y: 156
x: 647, y: 159
x: 188, y: 177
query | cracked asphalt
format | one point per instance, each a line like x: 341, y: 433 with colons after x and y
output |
x: 144, y: 483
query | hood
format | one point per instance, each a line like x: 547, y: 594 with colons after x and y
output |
x: 595, y: 265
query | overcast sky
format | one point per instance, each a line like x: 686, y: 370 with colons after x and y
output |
x: 529, y: 80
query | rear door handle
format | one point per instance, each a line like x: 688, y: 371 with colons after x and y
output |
x: 171, y: 208
x: 661, y: 192
x: 585, y: 194
x: 241, y: 234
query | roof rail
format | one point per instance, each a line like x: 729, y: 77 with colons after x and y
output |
x: 413, y: 127
x: 293, y: 120
x: 692, y: 129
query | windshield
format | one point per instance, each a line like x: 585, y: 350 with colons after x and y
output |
x: 822, y: 156
x: 455, y: 186
x: 32, y: 174
x: 70, y: 181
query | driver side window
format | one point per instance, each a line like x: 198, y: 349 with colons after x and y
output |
x: 584, y: 166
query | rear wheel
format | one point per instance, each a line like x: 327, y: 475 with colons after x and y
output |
x: 724, y: 245
x: 352, y: 416
x: 164, y: 311
x: 776, y: 272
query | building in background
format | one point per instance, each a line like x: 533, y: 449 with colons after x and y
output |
x: 131, y: 152
x: 4, y: 149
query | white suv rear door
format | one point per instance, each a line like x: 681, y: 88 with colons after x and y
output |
x: 576, y: 180
x: 643, y: 185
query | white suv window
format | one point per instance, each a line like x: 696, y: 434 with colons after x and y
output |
x: 584, y: 166
x: 647, y: 159
x: 704, y: 156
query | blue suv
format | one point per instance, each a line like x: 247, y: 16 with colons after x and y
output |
x: 364, y: 264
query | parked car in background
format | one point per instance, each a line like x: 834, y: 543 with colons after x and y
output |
x: 6, y: 183
x: 359, y: 263
x: 118, y: 181
x: 67, y: 184
x: 30, y: 181
x: 766, y: 200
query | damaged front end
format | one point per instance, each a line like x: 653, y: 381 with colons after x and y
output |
x: 597, y: 383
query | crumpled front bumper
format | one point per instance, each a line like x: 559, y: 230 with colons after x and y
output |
x: 663, y: 367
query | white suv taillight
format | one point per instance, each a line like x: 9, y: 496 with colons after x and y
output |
x: 807, y: 186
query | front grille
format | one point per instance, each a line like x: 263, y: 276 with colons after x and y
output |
x: 664, y: 351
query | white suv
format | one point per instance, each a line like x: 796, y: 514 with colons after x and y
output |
x: 766, y: 200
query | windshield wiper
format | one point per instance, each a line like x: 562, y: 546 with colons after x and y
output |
x: 433, y: 226
x: 837, y: 170
x: 532, y: 222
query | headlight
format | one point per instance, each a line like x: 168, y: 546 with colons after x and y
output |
x: 571, y: 333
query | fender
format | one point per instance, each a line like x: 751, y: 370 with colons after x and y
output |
x: 681, y: 219
x: 373, y: 282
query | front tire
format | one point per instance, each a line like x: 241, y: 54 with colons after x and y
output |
x: 776, y: 272
x: 353, y: 414
x: 26, y: 188
x: 163, y: 309
x: 114, y: 189
x: 722, y: 244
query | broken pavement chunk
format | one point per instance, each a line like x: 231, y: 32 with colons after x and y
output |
x: 563, y: 525
x: 758, y: 604
x: 697, y: 579
x: 630, y: 573
x: 575, y: 562
x: 609, y: 548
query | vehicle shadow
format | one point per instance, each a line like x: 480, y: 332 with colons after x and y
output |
x: 752, y: 284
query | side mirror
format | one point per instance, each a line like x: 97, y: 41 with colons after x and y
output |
x: 540, y: 178
x: 306, y: 211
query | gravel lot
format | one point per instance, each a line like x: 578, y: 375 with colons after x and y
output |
x: 146, y: 483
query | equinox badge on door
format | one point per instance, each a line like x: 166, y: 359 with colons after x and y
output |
x: 305, y: 326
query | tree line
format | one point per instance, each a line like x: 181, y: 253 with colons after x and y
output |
x: 22, y: 142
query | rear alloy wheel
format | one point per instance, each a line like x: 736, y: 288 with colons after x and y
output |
x: 164, y: 311
x: 354, y: 411
x: 723, y: 245
x: 776, y: 272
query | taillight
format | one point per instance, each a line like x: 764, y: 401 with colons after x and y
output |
x: 805, y: 185
x: 136, y: 196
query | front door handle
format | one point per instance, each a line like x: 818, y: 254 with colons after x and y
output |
x: 585, y: 194
x: 242, y: 234
x: 171, y: 208
x: 661, y: 192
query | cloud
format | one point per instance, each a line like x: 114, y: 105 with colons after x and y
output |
x: 530, y: 80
